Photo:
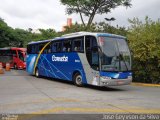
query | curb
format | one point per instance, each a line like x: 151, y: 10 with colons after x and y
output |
x: 144, y: 84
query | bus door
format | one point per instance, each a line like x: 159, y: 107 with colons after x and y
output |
x: 21, y: 58
x: 14, y: 57
x: 92, y: 55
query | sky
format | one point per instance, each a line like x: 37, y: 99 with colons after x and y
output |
x: 46, y: 14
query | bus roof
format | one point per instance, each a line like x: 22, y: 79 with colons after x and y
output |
x: 13, y: 48
x: 78, y: 34
x: 16, y: 48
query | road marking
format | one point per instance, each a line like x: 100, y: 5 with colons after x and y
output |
x: 76, y: 109
x: 91, y: 110
x: 144, y: 84
x: 39, y: 101
x: 115, y: 108
x: 98, y: 110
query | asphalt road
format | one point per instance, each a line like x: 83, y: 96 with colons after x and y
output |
x: 23, y: 93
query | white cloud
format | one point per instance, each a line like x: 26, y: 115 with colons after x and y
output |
x: 51, y: 13
x: 140, y: 9
x: 33, y: 13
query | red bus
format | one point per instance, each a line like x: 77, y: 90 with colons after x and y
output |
x: 15, y: 56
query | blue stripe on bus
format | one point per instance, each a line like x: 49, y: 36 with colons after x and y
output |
x: 56, y: 69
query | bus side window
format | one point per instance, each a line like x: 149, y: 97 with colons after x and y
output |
x: 32, y: 49
x: 78, y: 44
x: 36, y: 49
x: 47, y: 50
x: 56, y: 47
x: 40, y: 47
x: 66, y: 46
x: 59, y: 46
x: 1, y: 52
x: 14, y: 53
x: 29, y: 49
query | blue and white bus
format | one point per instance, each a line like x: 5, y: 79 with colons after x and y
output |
x: 99, y: 59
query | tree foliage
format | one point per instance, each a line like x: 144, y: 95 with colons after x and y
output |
x: 90, y: 8
x: 10, y: 37
x: 97, y: 27
x: 5, y: 34
x: 43, y: 35
x: 144, y: 41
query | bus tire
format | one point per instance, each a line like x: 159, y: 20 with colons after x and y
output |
x: 78, y: 80
x: 37, y: 73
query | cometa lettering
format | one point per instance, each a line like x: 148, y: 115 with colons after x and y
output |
x: 60, y: 59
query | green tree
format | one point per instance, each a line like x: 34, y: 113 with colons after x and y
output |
x: 106, y: 28
x: 79, y: 27
x: 21, y: 36
x: 48, y: 33
x: 144, y: 39
x: 43, y: 34
x: 90, y: 8
x: 10, y: 37
x: 6, y: 34
x: 96, y: 27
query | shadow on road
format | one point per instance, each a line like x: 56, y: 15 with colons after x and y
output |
x: 85, y: 86
x: 104, y: 88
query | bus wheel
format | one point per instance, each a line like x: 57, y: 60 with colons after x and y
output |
x: 37, y: 73
x: 78, y: 80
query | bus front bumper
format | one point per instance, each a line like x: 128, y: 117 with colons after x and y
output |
x: 114, y: 82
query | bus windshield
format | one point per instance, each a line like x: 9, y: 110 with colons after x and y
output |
x: 115, y: 54
x: 22, y: 55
